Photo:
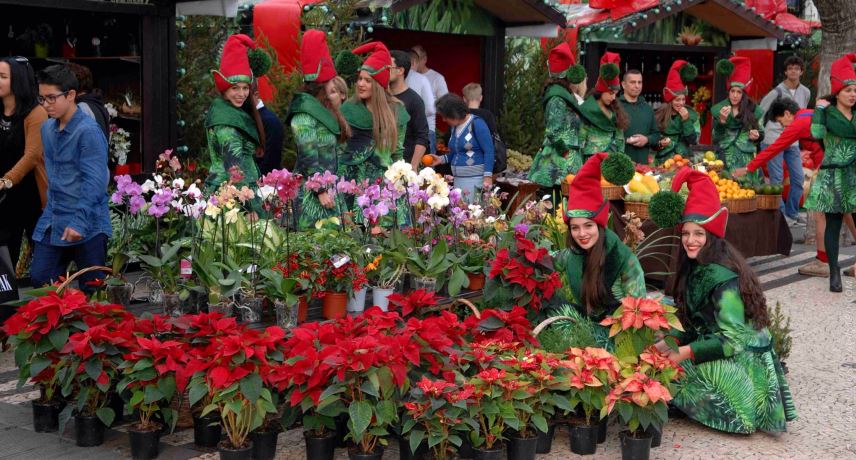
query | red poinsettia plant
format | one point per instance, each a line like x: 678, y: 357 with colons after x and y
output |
x: 413, y: 302
x: 500, y: 325
x: 522, y: 275
x: 592, y: 373
x: 437, y: 411
x: 348, y: 277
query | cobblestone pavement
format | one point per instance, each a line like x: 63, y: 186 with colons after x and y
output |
x: 822, y: 377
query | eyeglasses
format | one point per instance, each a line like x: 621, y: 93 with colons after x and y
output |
x: 21, y: 59
x: 51, y: 98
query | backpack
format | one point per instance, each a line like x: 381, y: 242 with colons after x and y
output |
x: 500, y: 152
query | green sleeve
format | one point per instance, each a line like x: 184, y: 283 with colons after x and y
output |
x: 618, y: 141
x: 653, y: 134
x: 584, y: 134
x: 304, y: 128
x: 557, y: 131
x: 720, y: 130
x: 225, y: 150
x: 818, y: 123
x: 632, y: 280
x: 691, y: 128
x: 730, y: 322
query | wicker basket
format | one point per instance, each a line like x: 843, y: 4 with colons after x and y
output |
x: 768, y: 201
x: 742, y: 205
x: 638, y: 208
x: 612, y: 192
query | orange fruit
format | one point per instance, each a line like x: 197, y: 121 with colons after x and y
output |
x: 427, y: 160
x: 569, y: 178
x: 678, y: 157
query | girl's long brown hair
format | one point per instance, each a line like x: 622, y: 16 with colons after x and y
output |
x: 383, y: 107
x: 594, y: 287
x: 663, y: 115
x: 250, y: 107
x: 622, y: 120
x: 718, y: 251
x: 320, y: 92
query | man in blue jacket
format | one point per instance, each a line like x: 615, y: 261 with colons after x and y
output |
x: 75, y: 223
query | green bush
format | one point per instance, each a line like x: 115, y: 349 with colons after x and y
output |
x: 780, y: 330
x: 525, y: 74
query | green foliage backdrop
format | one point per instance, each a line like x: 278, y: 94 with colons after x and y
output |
x: 522, y: 118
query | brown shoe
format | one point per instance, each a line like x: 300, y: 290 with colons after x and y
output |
x: 815, y: 268
x: 847, y: 271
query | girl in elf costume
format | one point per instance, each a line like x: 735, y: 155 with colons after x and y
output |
x: 560, y: 152
x: 378, y: 120
x: 318, y: 127
x: 234, y: 129
x: 834, y: 189
x: 734, y: 381
x: 678, y: 123
x: 604, y: 120
x: 736, y: 119
x: 598, y: 267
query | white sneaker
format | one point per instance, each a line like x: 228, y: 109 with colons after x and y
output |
x: 791, y: 222
x: 815, y: 268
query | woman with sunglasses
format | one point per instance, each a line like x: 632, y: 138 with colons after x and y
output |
x: 24, y: 181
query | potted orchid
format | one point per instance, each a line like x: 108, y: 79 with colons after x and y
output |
x: 384, y: 272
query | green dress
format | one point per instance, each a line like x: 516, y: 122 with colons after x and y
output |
x: 622, y: 273
x: 232, y: 140
x: 560, y: 151
x: 682, y: 133
x: 733, y: 140
x: 599, y: 132
x: 735, y: 382
x: 316, y: 132
x: 834, y: 187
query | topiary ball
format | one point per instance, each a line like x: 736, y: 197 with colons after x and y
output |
x: 347, y: 63
x: 260, y: 62
x: 724, y: 67
x: 666, y: 208
x: 688, y: 73
x: 609, y: 71
x: 618, y: 169
x: 576, y: 74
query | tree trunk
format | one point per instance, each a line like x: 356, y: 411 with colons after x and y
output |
x: 837, y: 19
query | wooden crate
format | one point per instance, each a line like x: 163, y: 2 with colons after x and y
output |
x: 638, y: 208
x: 768, y: 201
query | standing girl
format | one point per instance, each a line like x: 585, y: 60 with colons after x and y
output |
x: 734, y: 381
x: 678, y: 123
x: 24, y: 179
x: 834, y: 189
x: 736, y: 119
x: 604, y: 120
x: 318, y: 127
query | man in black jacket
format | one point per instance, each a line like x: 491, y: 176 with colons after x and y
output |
x: 274, y: 133
x: 416, y: 139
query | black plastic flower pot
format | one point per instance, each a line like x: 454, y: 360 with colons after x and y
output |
x: 656, y: 435
x: 404, y: 452
x: 118, y: 405
x: 320, y: 448
x: 264, y: 444
x: 341, y: 430
x: 584, y: 439
x: 466, y: 449
x: 356, y: 455
x: 207, y: 430
x: 46, y: 416
x: 601, y: 430
x: 635, y: 448
x: 545, y: 440
x: 496, y: 453
x: 88, y: 431
x: 227, y: 452
x: 145, y: 445
x: 522, y: 448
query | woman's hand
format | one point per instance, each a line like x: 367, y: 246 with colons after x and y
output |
x: 724, y: 113
x: 684, y: 113
x: 487, y: 182
x: 664, y: 142
x: 739, y: 172
x: 662, y: 346
x: 821, y: 103
x: 754, y: 135
x: 682, y: 354
x: 326, y: 200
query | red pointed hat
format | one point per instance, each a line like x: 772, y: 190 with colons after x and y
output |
x: 585, y: 198
x: 561, y: 59
x: 378, y: 62
x: 703, y: 206
x: 315, y: 57
x: 608, y: 79
x: 680, y: 74
x: 235, y: 62
x: 841, y: 73
x: 741, y: 72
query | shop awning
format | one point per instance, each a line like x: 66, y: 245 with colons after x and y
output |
x: 510, y: 12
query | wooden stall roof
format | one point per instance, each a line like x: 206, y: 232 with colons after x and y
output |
x: 510, y: 12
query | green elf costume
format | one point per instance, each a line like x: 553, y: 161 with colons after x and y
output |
x: 363, y: 159
x: 560, y: 151
x: 682, y: 133
x: 599, y: 131
x: 732, y: 137
x: 834, y: 189
x: 621, y: 274
x: 232, y: 133
x: 316, y: 130
x: 734, y: 381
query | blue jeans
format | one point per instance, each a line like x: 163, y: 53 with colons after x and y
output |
x: 50, y: 262
x: 791, y: 206
x: 432, y: 138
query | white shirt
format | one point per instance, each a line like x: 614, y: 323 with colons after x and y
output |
x: 419, y: 83
x: 438, y: 83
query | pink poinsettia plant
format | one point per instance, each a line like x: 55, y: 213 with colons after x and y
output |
x: 636, y: 323
x: 437, y: 412
x: 592, y: 372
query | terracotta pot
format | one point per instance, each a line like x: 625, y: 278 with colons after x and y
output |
x: 302, y: 308
x: 334, y: 304
x: 476, y: 281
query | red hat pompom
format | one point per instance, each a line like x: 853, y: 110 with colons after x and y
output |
x: 378, y: 62
x: 315, y: 57
x: 609, y: 70
x: 679, y: 75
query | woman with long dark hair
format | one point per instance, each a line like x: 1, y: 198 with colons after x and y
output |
x: 834, y: 189
x: 234, y: 128
x: 678, y: 122
x: 604, y: 121
x: 560, y: 151
x: 24, y: 180
x: 318, y: 127
x: 736, y: 120
x: 598, y: 267
x: 734, y: 381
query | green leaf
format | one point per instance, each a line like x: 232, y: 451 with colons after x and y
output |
x: 106, y: 415
x: 251, y: 387
x: 458, y: 280
x: 167, y: 387
x: 416, y: 437
x: 368, y: 387
x: 196, y: 393
x: 540, y: 422
x: 93, y: 368
x: 152, y: 394
x: 136, y: 398
x: 625, y: 411
x: 361, y: 416
x: 39, y: 364
x: 58, y: 338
